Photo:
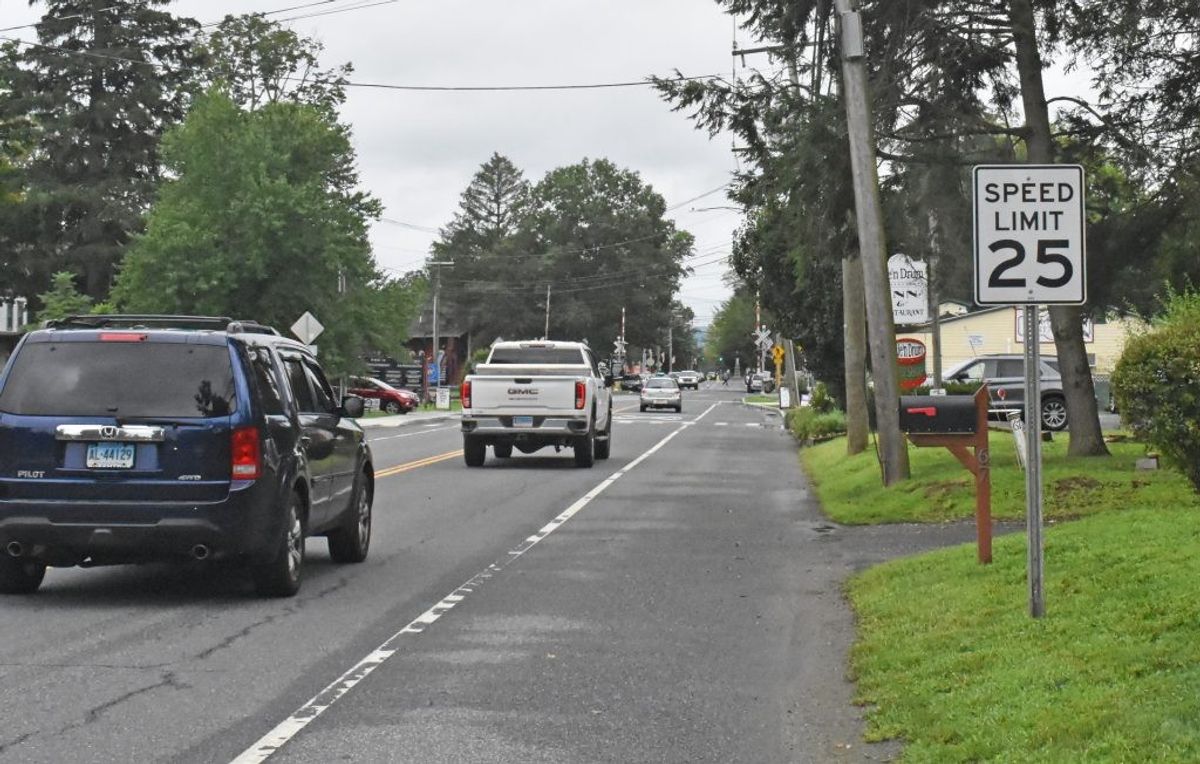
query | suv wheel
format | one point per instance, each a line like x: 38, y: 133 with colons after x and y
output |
x: 19, y: 576
x: 392, y: 407
x: 474, y: 451
x: 1054, y: 413
x: 280, y: 577
x: 351, y: 542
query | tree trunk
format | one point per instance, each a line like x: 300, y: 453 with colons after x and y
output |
x: 1083, y: 414
x: 854, y: 309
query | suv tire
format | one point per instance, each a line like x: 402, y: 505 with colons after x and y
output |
x: 474, y: 451
x: 351, y: 542
x: 1054, y: 413
x: 20, y: 576
x: 280, y: 577
x: 392, y: 407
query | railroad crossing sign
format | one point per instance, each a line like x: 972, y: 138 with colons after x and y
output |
x: 1029, y: 235
x: 619, y: 346
x: 307, y: 328
x: 763, y: 338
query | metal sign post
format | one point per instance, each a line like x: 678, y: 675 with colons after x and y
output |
x: 1030, y: 250
x: 1033, y: 462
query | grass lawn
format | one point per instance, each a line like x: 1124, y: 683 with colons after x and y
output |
x: 761, y: 399
x: 941, y: 489
x: 949, y: 662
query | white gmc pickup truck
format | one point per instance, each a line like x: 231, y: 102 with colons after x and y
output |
x: 529, y: 395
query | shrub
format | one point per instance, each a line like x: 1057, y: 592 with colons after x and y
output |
x: 1157, y: 385
x: 820, y: 401
x: 807, y: 423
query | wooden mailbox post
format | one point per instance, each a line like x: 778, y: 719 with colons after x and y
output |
x: 927, y: 415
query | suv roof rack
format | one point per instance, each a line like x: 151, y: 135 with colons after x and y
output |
x: 151, y: 321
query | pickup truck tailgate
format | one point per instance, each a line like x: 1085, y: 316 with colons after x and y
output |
x: 499, y: 395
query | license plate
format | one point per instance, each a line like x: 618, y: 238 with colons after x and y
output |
x: 110, y: 456
x: 522, y: 421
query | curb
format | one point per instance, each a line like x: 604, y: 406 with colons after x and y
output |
x: 405, y: 420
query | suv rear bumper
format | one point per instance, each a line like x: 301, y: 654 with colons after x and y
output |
x: 70, y: 533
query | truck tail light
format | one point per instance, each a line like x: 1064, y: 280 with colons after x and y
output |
x: 247, y: 453
x: 122, y: 337
x: 580, y: 394
x: 464, y: 394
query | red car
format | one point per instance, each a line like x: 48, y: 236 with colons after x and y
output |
x: 393, y: 400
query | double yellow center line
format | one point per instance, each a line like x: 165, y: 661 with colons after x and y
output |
x: 418, y: 463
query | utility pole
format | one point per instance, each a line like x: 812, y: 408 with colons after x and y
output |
x: 546, y: 332
x: 881, y: 330
x: 758, y: 324
x: 936, y: 333
x: 671, y: 344
x: 437, y: 287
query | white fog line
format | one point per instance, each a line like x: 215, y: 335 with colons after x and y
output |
x: 270, y: 743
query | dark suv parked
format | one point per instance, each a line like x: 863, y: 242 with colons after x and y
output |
x: 143, y: 438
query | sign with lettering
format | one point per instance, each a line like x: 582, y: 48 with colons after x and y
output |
x: 910, y: 353
x: 908, y: 280
x: 1029, y: 235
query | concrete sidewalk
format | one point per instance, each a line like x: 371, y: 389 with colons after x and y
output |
x: 417, y: 416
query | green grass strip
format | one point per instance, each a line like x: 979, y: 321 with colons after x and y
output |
x: 942, y: 490
x: 949, y: 662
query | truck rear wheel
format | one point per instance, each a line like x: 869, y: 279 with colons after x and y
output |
x: 604, y: 446
x: 585, y: 450
x: 474, y: 451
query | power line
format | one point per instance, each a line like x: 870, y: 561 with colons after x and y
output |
x: 721, y: 187
x: 379, y: 85
x: 519, y: 88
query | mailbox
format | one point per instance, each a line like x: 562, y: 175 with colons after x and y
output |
x: 938, y: 414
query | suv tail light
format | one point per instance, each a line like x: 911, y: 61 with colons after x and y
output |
x: 464, y: 394
x: 247, y: 453
x: 580, y: 394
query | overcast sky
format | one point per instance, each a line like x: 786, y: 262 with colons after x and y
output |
x: 417, y: 151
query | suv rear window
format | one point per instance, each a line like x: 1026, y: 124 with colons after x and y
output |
x: 121, y: 379
x: 534, y: 356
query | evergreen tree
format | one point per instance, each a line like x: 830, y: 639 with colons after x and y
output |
x: 104, y: 82
x: 480, y: 242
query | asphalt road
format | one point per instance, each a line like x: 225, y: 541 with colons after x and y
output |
x: 678, y: 602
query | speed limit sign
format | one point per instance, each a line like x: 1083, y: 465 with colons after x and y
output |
x: 1029, y: 235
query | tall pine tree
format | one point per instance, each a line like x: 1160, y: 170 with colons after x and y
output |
x: 106, y: 79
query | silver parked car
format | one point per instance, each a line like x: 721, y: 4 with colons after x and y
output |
x: 1005, y: 376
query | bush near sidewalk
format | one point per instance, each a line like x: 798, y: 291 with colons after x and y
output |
x: 942, y: 490
x: 809, y: 424
x: 949, y: 662
x: 1157, y: 384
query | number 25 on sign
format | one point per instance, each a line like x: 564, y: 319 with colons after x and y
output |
x: 1029, y: 235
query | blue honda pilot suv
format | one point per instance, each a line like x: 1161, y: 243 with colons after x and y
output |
x: 129, y: 439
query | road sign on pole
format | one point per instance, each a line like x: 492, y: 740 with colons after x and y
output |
x: 307, y: 328
x: 1029, y: 235
x: 1030, y: 249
